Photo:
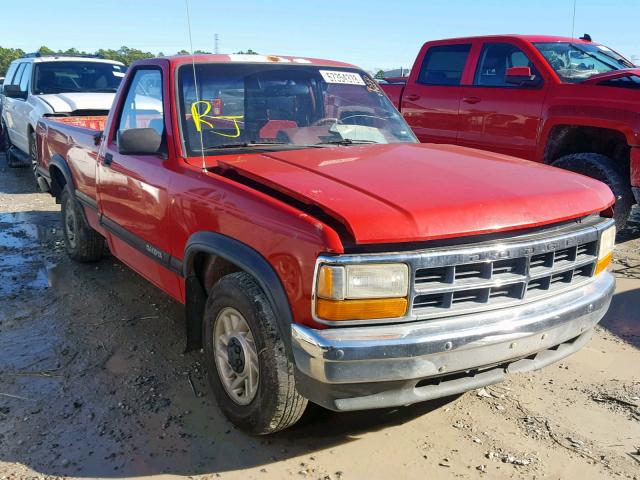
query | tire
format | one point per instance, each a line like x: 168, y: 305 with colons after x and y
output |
x: 604, y: 169
x: 4, y: 138
x: 82, y: 243
x: 275, y: 404
x: 33, y: 156
x: 11, y: 159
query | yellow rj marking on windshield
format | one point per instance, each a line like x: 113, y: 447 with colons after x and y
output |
x: 202, y: 118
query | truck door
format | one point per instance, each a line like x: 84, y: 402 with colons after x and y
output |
x: 132, y: 189
x: 20, y: 111
x: 431, y: 99
x: 499, y: 116
x: 11, y: 110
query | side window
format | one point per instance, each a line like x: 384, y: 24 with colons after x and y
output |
x: 443, y: 65
x: 143, y: 105
x: 10, y: 73
x: 495, y: 59
x: 16, y: 78
x: 26, y: 77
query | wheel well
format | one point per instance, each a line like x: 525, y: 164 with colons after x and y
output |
x: 57, y: 181
x: 210, y: 268
x: 567, y: 139
x: 207, y: 269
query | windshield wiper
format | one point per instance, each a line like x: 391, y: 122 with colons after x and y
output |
x: 346, y: 141
x: 254, y: 144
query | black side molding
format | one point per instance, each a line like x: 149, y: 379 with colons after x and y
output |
x: 140, y: 244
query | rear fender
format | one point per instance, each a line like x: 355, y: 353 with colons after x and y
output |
x: 59, y: 164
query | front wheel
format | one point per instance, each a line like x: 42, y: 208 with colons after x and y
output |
x: 250, y: 374
x: 604, y: 169
x: 33, y: 156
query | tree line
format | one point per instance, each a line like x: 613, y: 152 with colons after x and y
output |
x: 124, y: 54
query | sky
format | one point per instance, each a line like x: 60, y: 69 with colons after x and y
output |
x: 370, y: 33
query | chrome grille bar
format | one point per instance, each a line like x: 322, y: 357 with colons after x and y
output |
x: 468, y: 278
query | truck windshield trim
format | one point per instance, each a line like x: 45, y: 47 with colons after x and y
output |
x: 76, y: 76
x: 577, y: 62
x: 282, y: 106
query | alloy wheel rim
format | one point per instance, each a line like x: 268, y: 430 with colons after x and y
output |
x: 236, y: 356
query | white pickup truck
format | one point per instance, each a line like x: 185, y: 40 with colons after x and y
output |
x: 38, y: 86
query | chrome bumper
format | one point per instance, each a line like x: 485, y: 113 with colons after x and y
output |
x: 416, y: 351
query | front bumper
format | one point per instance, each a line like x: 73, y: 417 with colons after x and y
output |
x: 355, y: 368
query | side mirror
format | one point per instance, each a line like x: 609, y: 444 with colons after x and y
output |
x: 522, y: 77
x: 139, y: 141
x: 13, y: 91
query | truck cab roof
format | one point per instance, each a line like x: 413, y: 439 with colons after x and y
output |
x: 526, y: 38
x: 177, y: 60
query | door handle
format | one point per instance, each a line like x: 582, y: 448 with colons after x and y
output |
x: 108, y: 158
x: 412, y: 97
x: 471, y: 100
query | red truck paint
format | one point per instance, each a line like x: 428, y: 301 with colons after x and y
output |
x: 297, y: 209
x: 382, y: 194
x: 523, y: 122
x: 337, y: 184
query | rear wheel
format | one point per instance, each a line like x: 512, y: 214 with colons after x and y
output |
x: 250, y: 374
x: 604, y: 169
x: 82, y: 243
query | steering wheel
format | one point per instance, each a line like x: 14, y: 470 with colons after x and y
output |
x: 324, y: 120
x: 363, y: 116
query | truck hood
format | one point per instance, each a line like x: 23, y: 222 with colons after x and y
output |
x: 70, y: 102
x: 603, y: 77
x: 416, y: 192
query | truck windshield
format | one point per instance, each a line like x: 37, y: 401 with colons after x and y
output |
x: 241, y: 105
x: 76, y: 76
x: 575, y: 62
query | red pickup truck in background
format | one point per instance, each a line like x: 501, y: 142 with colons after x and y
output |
x: 320, y: 251
x: 565, y: 102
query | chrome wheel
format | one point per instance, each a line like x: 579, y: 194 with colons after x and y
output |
x: 236, y: 356
x: 70, y: 226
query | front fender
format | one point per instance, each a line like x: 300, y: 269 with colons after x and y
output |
x: 247, y: 259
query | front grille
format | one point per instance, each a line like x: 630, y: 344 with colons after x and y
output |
x: 492, y: 275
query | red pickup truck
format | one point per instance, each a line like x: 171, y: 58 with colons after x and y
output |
x: 567, y: 102
x: 320, y: 251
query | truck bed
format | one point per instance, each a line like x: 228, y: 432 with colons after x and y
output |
x: 74, y: 139
x: 394, y: 92
x: 96, y: 123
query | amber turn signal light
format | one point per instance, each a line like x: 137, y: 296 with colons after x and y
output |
x: 603, y: 263
x: 337, y: 310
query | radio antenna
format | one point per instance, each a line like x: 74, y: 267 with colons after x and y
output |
x: 573, y: 23
x: 195, y: 84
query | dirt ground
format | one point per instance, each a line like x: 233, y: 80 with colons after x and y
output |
x: 94, y: 384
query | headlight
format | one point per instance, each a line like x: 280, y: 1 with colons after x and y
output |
x: 605, y: 251
x: 360, y: 292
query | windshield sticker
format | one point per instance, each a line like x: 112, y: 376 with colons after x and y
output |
x: 345, y: 78
x: 118, y: 74
x: 203, y: 118
x: 372, y: 85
